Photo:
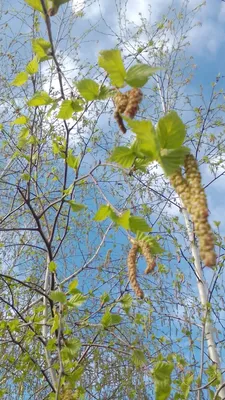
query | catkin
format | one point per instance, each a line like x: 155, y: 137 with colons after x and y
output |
x: 132, y: 270
x: 199, y: 212
x: 192, y: 194
x: 67, y: 394
x: 134, y: 99
x: 146, y: 251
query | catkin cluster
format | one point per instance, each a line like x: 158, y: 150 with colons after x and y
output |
x: 127, y: 104
x: 132, y: 264
x: 67, y: 394
x: 194, y: 199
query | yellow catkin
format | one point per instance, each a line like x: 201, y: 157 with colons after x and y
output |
x: 192, y: 194
x: 132, y: 270
x: 120, y: 101
x: 67, y: 394
x: 134, y: 99
x: 199, y: 211
x: 150, y: 260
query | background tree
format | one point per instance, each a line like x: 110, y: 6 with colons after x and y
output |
x: 72, y: 326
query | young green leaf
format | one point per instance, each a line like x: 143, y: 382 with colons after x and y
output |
x: 20, y: 79
x: 58, y: 296
x: 68, y: 107
x: 112, y: 63
x: 138, y: 358
x: 124, y: 220
x: 73, y: 286
x: 171, y: 131
x: 41, y: 48
x: 77, y: 300
x: 146, y: 137
x: 103, y: 213
x: 123, y: 156
x: 20, y: 120
x: 138, y: 75
x: 73, y: 161
x: 138, y: 224
x: 32, y: 66
x: 170, y: 160
x: 88, y: 89
x: 35, y: 4
x: 40, y: 99
x: 52, y: 266
x: 56, y: 322
x: 76, y: 206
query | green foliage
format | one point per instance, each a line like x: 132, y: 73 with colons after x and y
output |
x: 170, y: 160
x: 110, y: 319
x: 20, y: 79
x: 41, y: 48
x: 88, y: 89
x: 52, y: 266
x: 171, y: 131
x: 68, y: 107
x: 138, y: 75
x: 32, y: 66
x: 40, y: 99
x: 58, y: 296
x: 112, y: 63
x: 138, y: 358
x: 20, y: 120
x: 76, y: 206
x: 162, y: 379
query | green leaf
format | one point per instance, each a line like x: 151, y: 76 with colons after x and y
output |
x: 105, y: 92
x: 56, y: 322
x: 162, y: 389
x: 25, y: 177
x: 123, y: 156
x: 58, y: 296
x: 124, y: 220
x: 52, y: 266
x: 68, y: 107
x: 162, y: 379
x: 138, y: 358
x: 20, y: 79
x: 112, y: 63
x: 186, y: 384
x: 115, y: 319
x: 77, y: 300
x: 32, y: 66
x: 171, y: 131
x: 73, y: 286
x: 106, y: 319
x: 35, y: 4
x: 162, y: 370
x: 73, y: 345
x: 171, y: 160
x: 73, y: 161
x: 76, y: 206
x: 103, y: 213
x: 138, y: 75
x: 138, y: 224
x: 146, y: 137
x: 75, y: 376
x: 41, y: 48
x: 104, y: 298
x: 126, y: 302
x: 20, y: 120
x: 23, y: 137
x: 40, y: 99
x: 88, y: 89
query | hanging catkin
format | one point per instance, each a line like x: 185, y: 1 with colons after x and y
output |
x: 192, y: 194
x: 132, y: 270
